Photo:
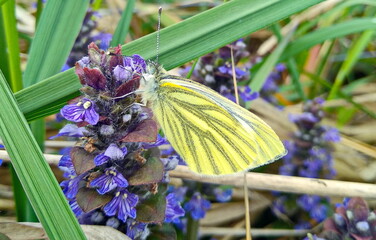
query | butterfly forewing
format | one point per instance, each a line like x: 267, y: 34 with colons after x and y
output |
x: 212, y: 134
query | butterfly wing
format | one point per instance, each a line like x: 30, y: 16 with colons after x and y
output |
x: 212, y: 134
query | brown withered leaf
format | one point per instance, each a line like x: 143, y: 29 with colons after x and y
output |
x: 146, y: 131
x: 153, y: 209
x: 89, y: 199
x: 128, y: 87
x: 82, y: 160
x: 151, y: 172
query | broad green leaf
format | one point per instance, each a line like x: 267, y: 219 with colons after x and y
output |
x: 213, y: 29
x: 177, y: 47
x: 334, y: 31
x: 34, y: 172
x: 123, y: 25
x: 56, y: 32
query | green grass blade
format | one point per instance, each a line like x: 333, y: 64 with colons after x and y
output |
x: 123, y: 25
x: 267, y: 67
x: 35, y: 101
x: 13, y: 49
x: 58, y: 27
x: 33, y: 171
x: 2, y: 2
x: 213, y: 29
x: 291, y: 66
x: 323, y: 34
x: 352, y: 57
x: 176, y: 48
x: 11, y: 56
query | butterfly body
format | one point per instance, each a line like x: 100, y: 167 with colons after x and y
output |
x: 212, y: 134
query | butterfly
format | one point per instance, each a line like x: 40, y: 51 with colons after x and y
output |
x: 212, y: 134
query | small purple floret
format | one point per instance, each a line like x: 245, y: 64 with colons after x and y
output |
x: 84, y: 110
x: 123, y: 204
x: 197, y: 206
x: 173, y: 208
x: 109, y: 181
x: 70, y: 130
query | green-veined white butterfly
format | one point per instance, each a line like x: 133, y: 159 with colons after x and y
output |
x: 211, y: 133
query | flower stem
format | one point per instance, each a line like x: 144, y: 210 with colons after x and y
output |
x: 192, y: 228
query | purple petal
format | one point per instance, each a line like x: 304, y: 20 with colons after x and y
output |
x: 101, y: 159
x: 114, y: 152
x: 70, y: 130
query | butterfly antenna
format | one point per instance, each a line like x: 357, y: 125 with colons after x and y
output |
x: 234, y: 76
x: 159, y: 30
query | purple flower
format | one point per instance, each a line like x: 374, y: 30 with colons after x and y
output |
x: 305, y: 117
x: 137, y: 230
x: 287, y: 169
x: 109, y: 181
x: 75, y: 207
x: 123, y: 204
x: 84, y: 110
x: 307, y: 202
x: 66, y: 165
x: 114, y: 152
x: 101, y: 159
x: 136, y: 63
x: 84, y: 62
x: 197, y: 206
x: 280, y: 67
x: 319, y: 213
x: 122, y: 74
x: 331, y: 135
x: 104, y: 39
x: 71, y: 187
x: 70, y: 130
x: 223, y: 195
x: 227, y: 69
x: 280, y: 205
x: 247, y: 95
x: 113, y: 222
x: 160, y: 141
x: 303, y: 225
x: 179, y: 193
x: 173, y: 208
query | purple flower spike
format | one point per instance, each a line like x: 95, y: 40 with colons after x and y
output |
x: 109, y: 181
x: 173, y: 208
x: 101, y: 159
x: 197, y: 206
x: 84, y: 110
x: 123, y: 204
x: 70, y: 130
x: 114, y: 152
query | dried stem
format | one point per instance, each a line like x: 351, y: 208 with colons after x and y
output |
x: 269, y: 182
